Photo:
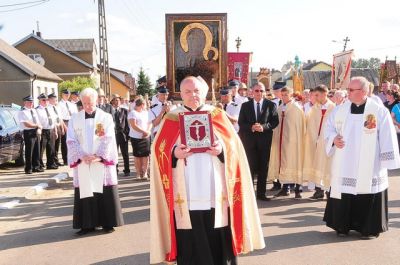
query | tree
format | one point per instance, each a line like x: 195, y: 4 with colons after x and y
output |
x: 144, y: 85
x: 371, y: 63
x: 77, y: 84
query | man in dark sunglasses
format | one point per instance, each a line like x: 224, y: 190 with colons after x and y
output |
x: 257, y: 119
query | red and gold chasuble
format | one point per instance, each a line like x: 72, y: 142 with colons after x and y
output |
x: 164, y: 145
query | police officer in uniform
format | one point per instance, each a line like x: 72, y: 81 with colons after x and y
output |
x: 60, y: 126
x: 67, y: 108
x: 30, y: 124
x: 159, y: 109
x: 231, y: 108
x: 47, y: 118
x: 276, y: 92
x: 74, y: 97
x: 233, y: 85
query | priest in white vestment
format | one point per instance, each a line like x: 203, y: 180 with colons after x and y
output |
x: 93, y: 156
x: 361, y: 139
x: 287, y: 149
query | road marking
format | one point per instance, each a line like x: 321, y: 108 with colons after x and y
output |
x: 40, y: 187
x: 59, y: 177
x: 9, y: 205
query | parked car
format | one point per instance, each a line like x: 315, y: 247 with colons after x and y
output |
x: 11, y: 136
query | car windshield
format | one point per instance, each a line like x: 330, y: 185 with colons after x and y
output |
x: 7, y: 119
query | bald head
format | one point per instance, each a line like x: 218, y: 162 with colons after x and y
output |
x: 193, y: 91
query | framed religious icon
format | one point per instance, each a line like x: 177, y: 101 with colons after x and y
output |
x: 196, y: 44
x: 196, y: 130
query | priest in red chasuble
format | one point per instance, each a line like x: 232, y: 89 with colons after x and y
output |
x: 203, y: 209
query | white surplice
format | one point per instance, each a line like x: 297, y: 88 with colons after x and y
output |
x: 82, y: 139
x: 386, y: 154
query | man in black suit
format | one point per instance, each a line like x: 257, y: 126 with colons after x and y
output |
x: 257, y: 118
x: 120, y: 117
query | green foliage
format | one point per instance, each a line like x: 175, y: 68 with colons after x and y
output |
x: 371, y: 63
x: 77, y: 84
x: 144, y: 85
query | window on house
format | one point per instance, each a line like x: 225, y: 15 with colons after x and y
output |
x: 33, y: 56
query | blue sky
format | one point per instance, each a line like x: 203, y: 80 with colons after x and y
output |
x: 275, y: 31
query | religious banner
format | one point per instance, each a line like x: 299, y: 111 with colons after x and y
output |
x: 341, y: 70
x: 238, y: 66
x: 389, y: 72
x: 196, y: 44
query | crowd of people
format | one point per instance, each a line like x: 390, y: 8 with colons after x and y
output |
x: 338, y: 143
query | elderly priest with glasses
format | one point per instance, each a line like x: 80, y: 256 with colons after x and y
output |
x: 361, y: 139
x: 92, y: 153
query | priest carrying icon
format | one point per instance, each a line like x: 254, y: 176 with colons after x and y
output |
x: 202, y: 207
x: 361, y: 139
x: 93, y: 156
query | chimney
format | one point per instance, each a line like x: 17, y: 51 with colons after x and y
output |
x: 308, y: 61
x: 38, y: 33
x: 314, y: 61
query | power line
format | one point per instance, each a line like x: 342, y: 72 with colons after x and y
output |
x: 20, y: 4
x: 135, y: 16
x: 25, y: 7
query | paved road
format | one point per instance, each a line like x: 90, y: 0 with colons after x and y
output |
x: 38, y: 231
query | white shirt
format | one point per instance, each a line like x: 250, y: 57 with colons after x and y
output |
x: 46, y: 118
x: 154, y: 111
x: 67, y: 109
x: 255, y: 106
x: 307, y: 107
x: 276, y: 101
x: 240, y: 100
x: 27, y: 115
x: 233, y: 110
x: 57, y: 113
x: 142, y: 121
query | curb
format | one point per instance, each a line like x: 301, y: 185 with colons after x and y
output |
x: 35, y: 190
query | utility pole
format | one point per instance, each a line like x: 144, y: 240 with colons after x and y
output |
x: 104, y: 66
x: 345, y: 43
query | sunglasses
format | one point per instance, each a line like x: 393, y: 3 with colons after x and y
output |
x: 259, y: 90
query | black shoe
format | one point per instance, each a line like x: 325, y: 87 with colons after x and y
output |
x: 38, y: 170
x: 318, y: 195
x: 297, y: 196
x: 342, y: 234
x: 369, y: 237
x: 108, y: 230
x: 29, y: 171
x: 127, y: 173
x: 52, y: 167
x: 263, y: 198
x: 275, y: 188
x: 282, y: 193
x: 59, y: 164
x: 84, y: 231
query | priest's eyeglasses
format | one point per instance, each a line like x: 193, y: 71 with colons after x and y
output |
x: 353, y: 89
